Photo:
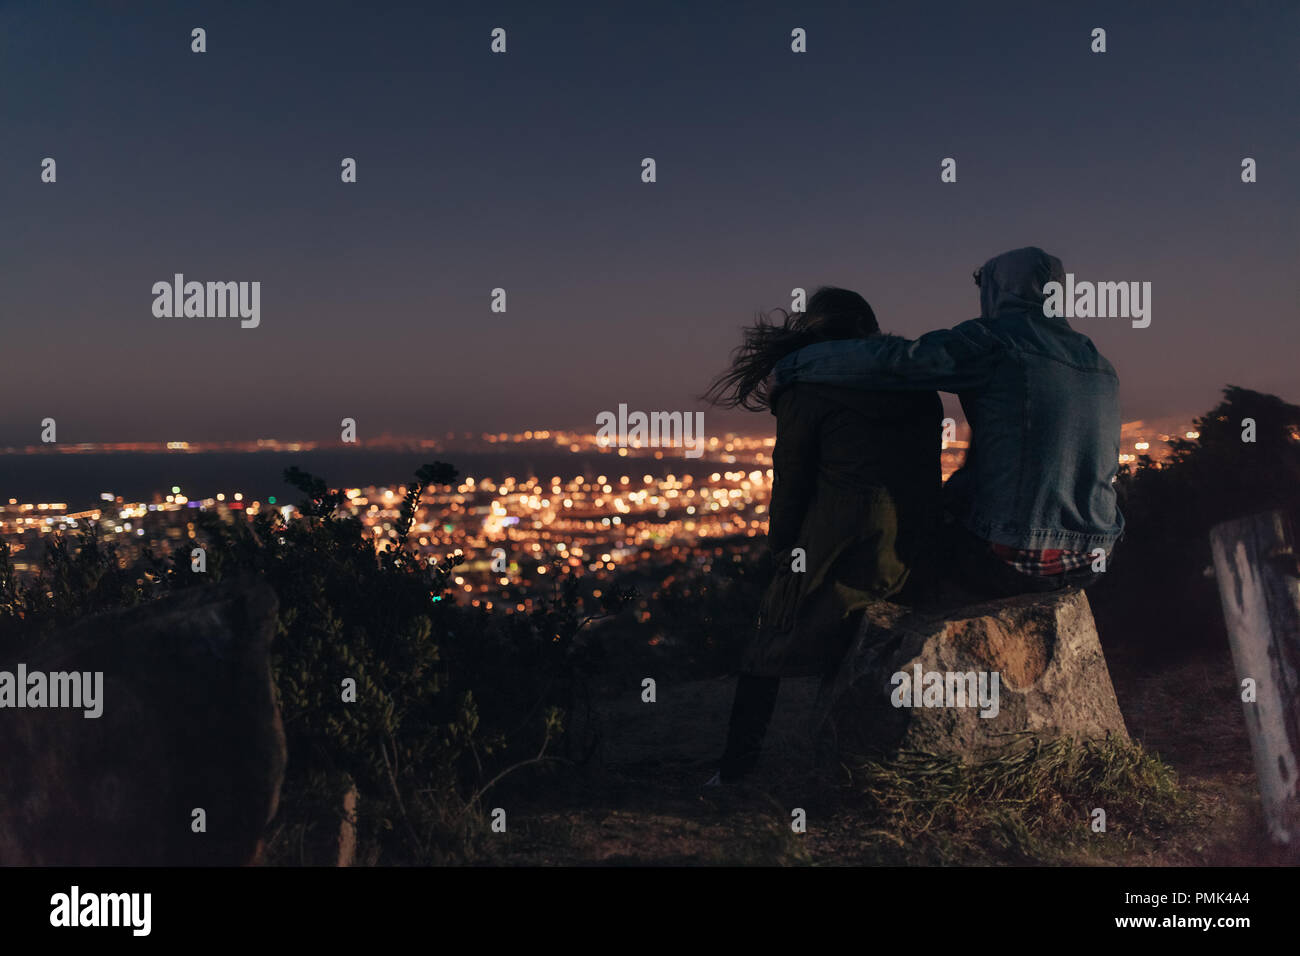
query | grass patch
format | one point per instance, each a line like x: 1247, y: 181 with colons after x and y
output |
x: 1033, y: 803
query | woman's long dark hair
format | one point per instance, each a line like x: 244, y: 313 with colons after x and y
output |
x: 831, y: 314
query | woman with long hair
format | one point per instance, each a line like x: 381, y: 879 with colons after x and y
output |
x: 855, y: 499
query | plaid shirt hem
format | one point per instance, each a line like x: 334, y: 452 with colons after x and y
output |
x: 1051, y: 561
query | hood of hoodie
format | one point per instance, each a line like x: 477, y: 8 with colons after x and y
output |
x: 1013, y: 282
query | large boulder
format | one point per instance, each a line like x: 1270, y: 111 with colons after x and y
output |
x: 189, y: 721
x: 965, y: 682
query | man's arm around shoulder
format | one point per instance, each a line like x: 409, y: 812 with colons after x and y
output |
x: 947, y: 359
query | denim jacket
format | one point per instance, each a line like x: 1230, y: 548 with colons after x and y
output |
x: 1042, y: 403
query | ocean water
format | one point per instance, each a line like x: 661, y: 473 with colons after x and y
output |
x: 79, y: 479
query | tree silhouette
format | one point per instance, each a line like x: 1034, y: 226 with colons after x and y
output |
x: 1156, y: 590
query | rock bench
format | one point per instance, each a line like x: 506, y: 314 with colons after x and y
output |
x: 965, y: 681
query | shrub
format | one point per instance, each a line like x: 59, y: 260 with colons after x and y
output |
x: 448, y: 699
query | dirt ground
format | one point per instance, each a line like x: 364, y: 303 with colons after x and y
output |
x: 641, y: 800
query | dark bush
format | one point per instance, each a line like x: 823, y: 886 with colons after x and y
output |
x: 448, y: 699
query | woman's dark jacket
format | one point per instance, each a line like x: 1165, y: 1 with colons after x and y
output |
x: 856, y: 483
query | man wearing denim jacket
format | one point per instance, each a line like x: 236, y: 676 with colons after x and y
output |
x: 1033, y: 508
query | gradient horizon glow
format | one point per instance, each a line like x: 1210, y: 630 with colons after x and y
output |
x: 522, y: 171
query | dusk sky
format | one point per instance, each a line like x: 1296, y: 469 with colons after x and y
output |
x: 523, y: 171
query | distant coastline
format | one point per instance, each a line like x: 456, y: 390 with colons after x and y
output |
x: 79, y: 479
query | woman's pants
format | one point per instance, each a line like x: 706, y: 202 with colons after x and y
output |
x: 750, y: 714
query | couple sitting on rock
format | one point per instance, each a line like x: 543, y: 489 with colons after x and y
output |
x: 856, y: 475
